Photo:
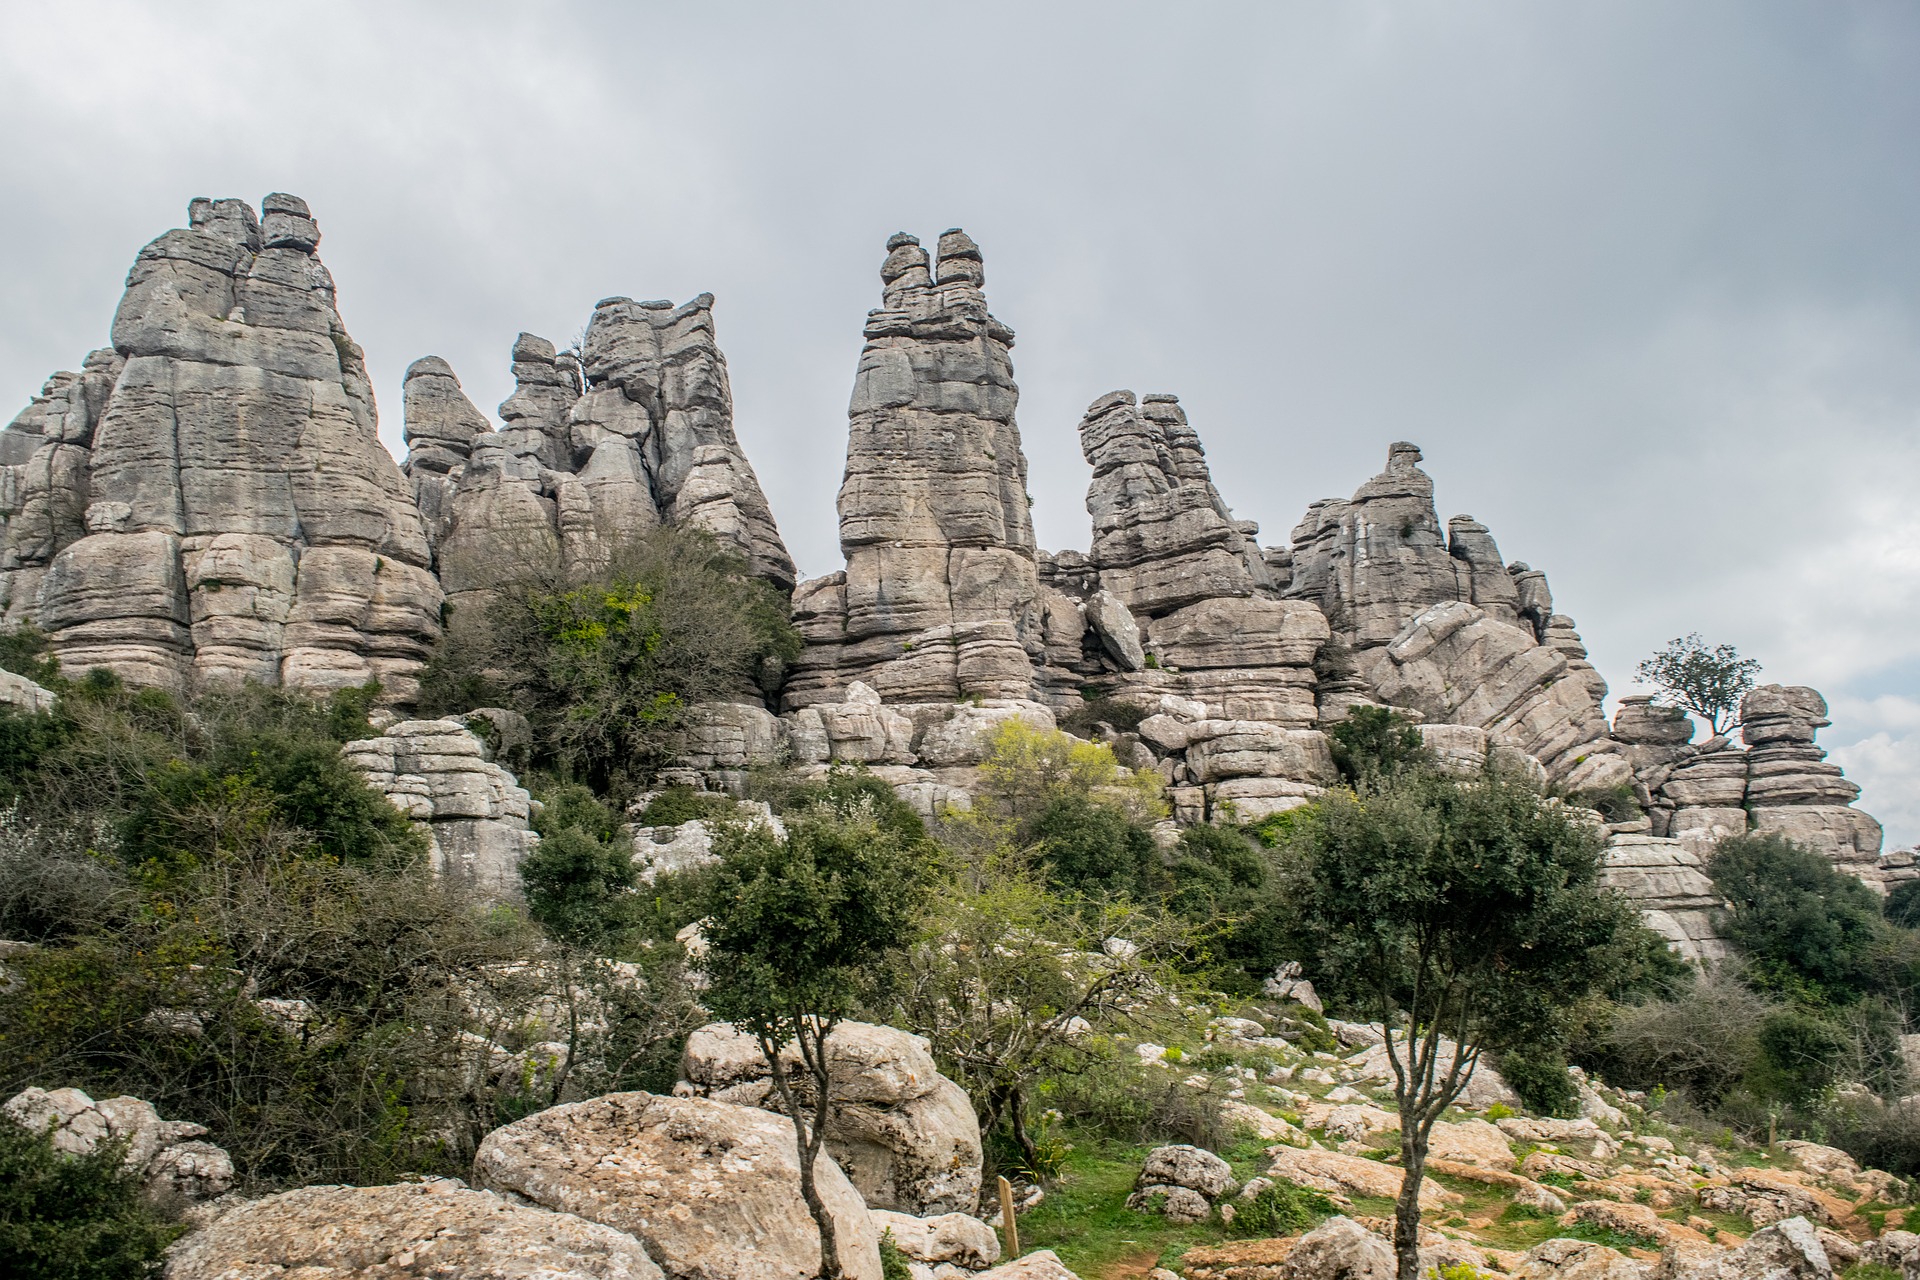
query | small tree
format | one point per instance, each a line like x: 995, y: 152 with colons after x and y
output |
x: 797, y: 930
x: 1469, y: 917
x: 1707, y: 681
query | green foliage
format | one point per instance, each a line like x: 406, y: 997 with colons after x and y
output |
x: 1870, y: 1271
x: 573, y: 805
x: 1615, y: 804
x: 1281, y: 1209
x: 579, y: 889
x: 24, y: 651
x: 1028, y: 769
x: 606, y: 664
x: 1804, y: 928
x: 1374, y: 743
x: 894, y: 1263
x: 80, y: 1217
x: 1092, y: 848
x: 1707, y: 681
x: 1800, y: 1056
x: 1903, y: 905
x: 675, y: 805
x: 849, y: 790
x: 799, y: 926
x: 1539, y: 1075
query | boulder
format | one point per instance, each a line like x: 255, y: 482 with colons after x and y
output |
x: 166, y: 1153
x: 959, y: 1238
x: 1178, y: 1205
x: 1339, y: 1249
x: 430, y: 1230
x: 905, y: 1134
x: 1041, y: 1264
x: 1564, y: 1259
x: 1789, y: 1250
x: 1186, y: 1166
x: 711, y: 1189
x: 1344, y: 1175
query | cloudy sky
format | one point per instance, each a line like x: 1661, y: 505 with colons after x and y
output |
x: 1642, y: 279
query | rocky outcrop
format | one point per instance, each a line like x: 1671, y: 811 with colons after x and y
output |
x: 475, y: 813
x: 905, y: 1134
x: 1792, y: 791
x: 427, y: 1230
x: 938, y: 599
x: 209, y: 500
x: 712, y: 1190
x: 1181, y: 1183
x: 167, y: 1154
x: 634, y: 432
x: 1667, y: 880
x: 1455, y: 664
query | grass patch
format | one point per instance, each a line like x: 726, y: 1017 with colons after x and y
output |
x: 1621, y: 1240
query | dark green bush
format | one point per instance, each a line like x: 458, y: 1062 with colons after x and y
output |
x: 1539, y: 1075
x: 578, y: 889
x: 1903, y: 905
x: 75, y: 1217
x: 1800, y: 1056
x: 1090, y: 848
x: 573, y: 804
x: 1096, y: 709
x: 1374, y: 742
x: 24, y: 651
x: 1806, y: 930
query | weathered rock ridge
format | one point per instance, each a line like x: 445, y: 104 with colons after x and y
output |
x: 207, y: 500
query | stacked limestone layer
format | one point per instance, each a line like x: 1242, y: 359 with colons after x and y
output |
x: 1667, y: 880
x: 209, y: 499
x: 474, y: 812
x: 634, y: 433
x: 1175, y: 596
x: 938, y: 599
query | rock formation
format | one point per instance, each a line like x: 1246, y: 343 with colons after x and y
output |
x: 168, y: 1155
x: 905, y: 1134
x: 634, y: 433
x: 427, y: 1229
x: 475, y: 813
x: 711, y: 1189
x: 208, y: 500
x: 937, y: 602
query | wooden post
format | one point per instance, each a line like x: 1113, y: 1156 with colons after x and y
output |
x: 1008, y: 1227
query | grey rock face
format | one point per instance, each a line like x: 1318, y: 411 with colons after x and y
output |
x: 475, y: 812
x: 168, y: 1154
x: 426, y: 1230
x: 1667, y: 880
x: 635, y: 433
x: 938, y: 600
x: 905, y: 1134
x: 710, y: 1189
x: 209, y: 500
x: 1162, y: 536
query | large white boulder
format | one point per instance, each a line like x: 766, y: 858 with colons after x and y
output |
x: 710, y: 1188
x: 905, y: 1134
x: 428, y: 1230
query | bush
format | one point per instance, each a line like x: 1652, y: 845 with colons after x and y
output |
x: 1097, y: 709
x: 1090, y: 848
x: 606, y: 664
x: 80, y: 1217
x: 1701, y: 1040
x: 1805, y: 929
x: 1539, y: 1075
x: 1800, y: 1056
x: 1903, y: 905
x: 1282, y: 1209
x: 675, y: 805
x: 1374, y: 742
x: 578, y: 889
x: 24, y: 651
x: 894, y: 1263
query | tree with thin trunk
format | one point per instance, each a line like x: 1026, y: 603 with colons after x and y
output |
x: 1707, y: 680
x: 798, y: 930
x: 1468, y: 917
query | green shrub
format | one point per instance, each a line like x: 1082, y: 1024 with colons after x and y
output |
x: 1903, y: 905
x: 1870, y: 1271
x: 1097, y: 709
x: 24, y: 651
x: 573, y: 804
x: 1539, y: 1076
x: 75, y: 1217
x: 1806, y: 929
x: 1282, y: 1209
x: 894, y: 1263
x: 1087, y: 847
x: 1375, y: 742
x: 675, y: 805
x: 1800, y: 1056
x: 578, y: 889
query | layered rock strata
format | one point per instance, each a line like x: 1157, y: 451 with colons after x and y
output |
x: 1667, y: 881
x: 209, y: 499
x: 474, y: 812
x: 938, y: 598
x: 633, y: 433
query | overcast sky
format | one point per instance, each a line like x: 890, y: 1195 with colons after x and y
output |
x: 1642, y: 279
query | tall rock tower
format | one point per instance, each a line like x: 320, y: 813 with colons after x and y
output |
x: 208, y: 499
x: 937, y: 601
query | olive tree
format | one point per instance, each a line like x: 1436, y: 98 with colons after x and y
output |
x: 798, y: 931
x: 1708, y: 681
x: 1468, y: 917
